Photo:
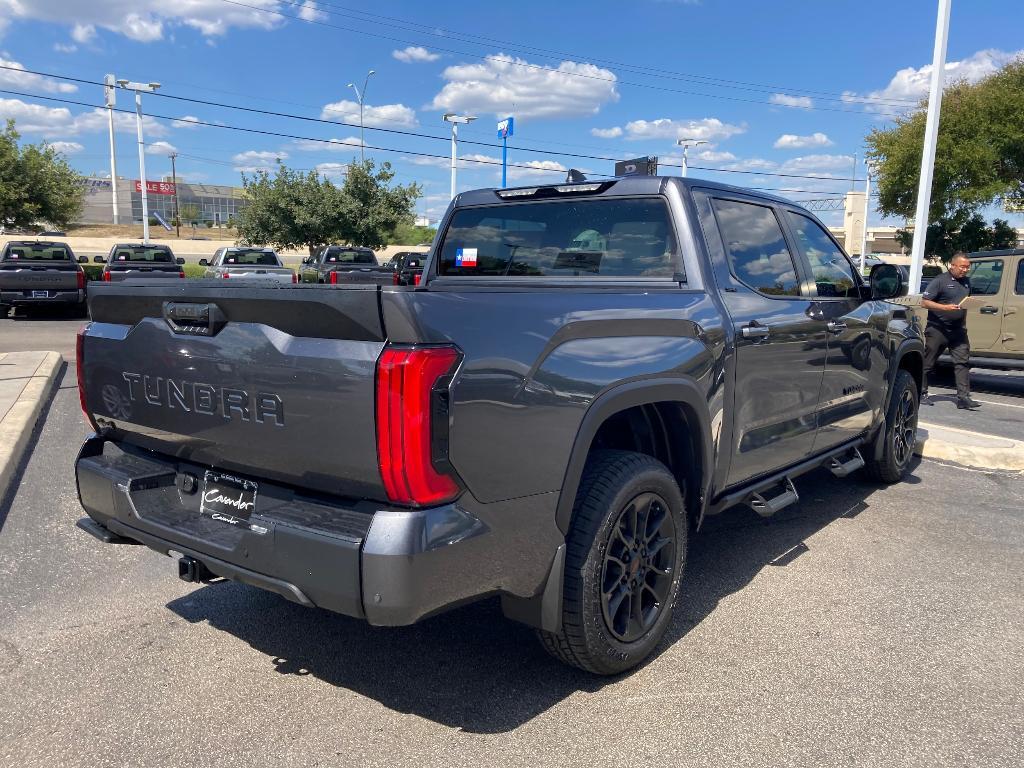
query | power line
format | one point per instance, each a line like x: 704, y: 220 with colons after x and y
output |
x: 539, y: 66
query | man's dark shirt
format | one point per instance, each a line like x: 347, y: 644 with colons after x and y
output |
x: 946, y: 289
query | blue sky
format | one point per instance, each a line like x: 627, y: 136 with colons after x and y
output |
x: 774, y: 88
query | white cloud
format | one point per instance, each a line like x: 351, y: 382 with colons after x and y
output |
x: 415, y: 53
x: 501, y: 81
x: 160, y: 148
x: 60, y: 123
x: 21, y: 80
x: 708, y: 129
x: 65, y: 47
x: 536, y: 169
x: 386, y: 115
x: 711, y: 156
x: 332, y: 170
x: 606, y: 133
x: 150, y: 20
x: 328, y: 145
x: 256, y: 160
x: 187, y: 122
x: 96, y: 121
x: 310, y: 12
x: 792, y: 141
x: 818, y: 165
x: 476, y: 161
x: 912, y: 84
x: 785, y: 100
x: 67, y: 147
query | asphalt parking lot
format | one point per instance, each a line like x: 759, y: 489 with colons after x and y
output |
x: 862, y: 626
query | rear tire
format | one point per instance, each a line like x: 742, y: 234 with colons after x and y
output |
x: 625, y: 555
x: 899, y: 438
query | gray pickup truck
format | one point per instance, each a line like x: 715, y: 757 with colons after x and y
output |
x: 244, y: 262
x: 35, y: 273
x: 583, y: 374
x: 130, y: 261
x: 342, y: 264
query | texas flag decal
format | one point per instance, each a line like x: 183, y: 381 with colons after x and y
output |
x: 465, y: 257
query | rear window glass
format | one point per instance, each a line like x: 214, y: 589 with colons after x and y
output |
x: 561, y: 238
x: 153, y: 255
x: 29, y: 252
x: 350, y: 257
x: 251, y: 258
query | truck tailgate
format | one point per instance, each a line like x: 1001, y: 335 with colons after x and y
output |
x: 269, y: 381
x: 132, y: 272
x: 54, y: 276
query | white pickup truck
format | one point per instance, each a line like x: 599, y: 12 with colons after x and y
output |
x: 245, y: 262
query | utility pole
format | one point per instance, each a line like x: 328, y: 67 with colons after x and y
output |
x: 139, y: 89
x: 686, y: 144
x: 110, y: 98
x: 174, y: 181
x: 931, y: 132
x: 359, y: 98
x: 505, y: 129
x: 867, y: 209
x: 456, y: 120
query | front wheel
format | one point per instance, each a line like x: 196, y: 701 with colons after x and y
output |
x: 899, y: 438
x: 625, y: 555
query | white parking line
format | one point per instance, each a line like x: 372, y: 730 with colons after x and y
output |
x: 1005, y: 405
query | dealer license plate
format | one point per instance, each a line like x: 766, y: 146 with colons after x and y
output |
x: 40, y: 294
x: 228, y: 499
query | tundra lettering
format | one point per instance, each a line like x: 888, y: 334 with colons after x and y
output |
x: 191, y: 396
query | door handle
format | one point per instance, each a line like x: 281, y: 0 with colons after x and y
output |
x: 988, y: 310
x: 835, y: 326
x: 755, y: 331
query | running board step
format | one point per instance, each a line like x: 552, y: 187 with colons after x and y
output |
x: 841, y: 466
x: 784, y: 495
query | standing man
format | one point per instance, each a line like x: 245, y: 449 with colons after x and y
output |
x: 947, y: 327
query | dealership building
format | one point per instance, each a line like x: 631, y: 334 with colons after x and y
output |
x: 215, y: 204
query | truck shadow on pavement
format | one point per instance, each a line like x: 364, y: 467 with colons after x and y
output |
x: 471, y: 668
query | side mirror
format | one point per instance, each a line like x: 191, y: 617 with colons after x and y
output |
x: 83, y: 259
x: 202, y: 262
x: 307, y: 260
x: 179, y: 261
x: 887, y: 282
x: 99, y: 259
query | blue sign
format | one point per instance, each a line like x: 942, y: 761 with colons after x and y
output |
x: 505, y: 128
x: 160, y: 218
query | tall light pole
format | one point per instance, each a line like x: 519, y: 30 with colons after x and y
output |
x: 686, y: 144
x: 931, y: 131
x: 174, y: 181
x: 110, y: 99
x: 456, y: 120
x: 359, y: 98
x: 867, y: 210
x: 139, y: 89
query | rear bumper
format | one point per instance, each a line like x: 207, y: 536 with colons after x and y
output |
x: 17, y: 298
x: 389, y: 566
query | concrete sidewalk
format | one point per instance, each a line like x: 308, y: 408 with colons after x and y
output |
x: 969, y: 449
x: 26, y: 380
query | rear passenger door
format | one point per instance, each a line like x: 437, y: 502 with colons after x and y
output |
x: 780, y: 343
x: 1013, y: 312
x: 985, y: 310
x: 856, y: 362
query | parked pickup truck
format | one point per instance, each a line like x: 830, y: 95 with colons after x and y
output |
x: 407, y: 267
x: 37, y: 273
x: 583, y: 374
x: 244, y: 262
x: 344, y: 264
x: 128, y: 261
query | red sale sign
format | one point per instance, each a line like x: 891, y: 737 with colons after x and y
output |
x: 155, y: 187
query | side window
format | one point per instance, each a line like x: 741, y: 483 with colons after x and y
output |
x: 832, y: 271
x: 756, y: 247
x: 1019, y: 287
x: 986, y: 277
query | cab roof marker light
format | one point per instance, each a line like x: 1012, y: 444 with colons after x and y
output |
x: 578, y: 188
x: 517, y: 192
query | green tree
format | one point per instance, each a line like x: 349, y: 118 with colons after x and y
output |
x: 189, y: 213
x: 37, y: 186
x: 1003, y: 235
x: 292, y: 209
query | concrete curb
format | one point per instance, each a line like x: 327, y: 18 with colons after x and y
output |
x: 970, y: 449
x: 20, y: 419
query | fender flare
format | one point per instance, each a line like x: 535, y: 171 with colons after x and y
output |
x: 904, y: 348
x: 620, y: 398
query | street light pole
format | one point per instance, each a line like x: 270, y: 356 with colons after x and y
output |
x: 110, y: 97
x: 174, y: 181
x: 139, y: 89
x: 867, y: 210
x: 359, y: 98
x: 686, y: 144
x: 456, y: 120
x: 931, y: 131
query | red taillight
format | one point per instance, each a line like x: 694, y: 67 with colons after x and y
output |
x: 225, y: 275
x: 80, y: 369
x: 395, y: 279
x: 81, y: 279
x: 334, y: 278
x: 106, y: 276
x: 406, y: 378
x: 181, y: 273
x: 295, y: 278
x: 416, y: 279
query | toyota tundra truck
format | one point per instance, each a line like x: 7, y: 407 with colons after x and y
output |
x: 37, y: 273
x: 584, y: 372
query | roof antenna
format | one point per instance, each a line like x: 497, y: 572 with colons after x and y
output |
x: 574, y: 177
